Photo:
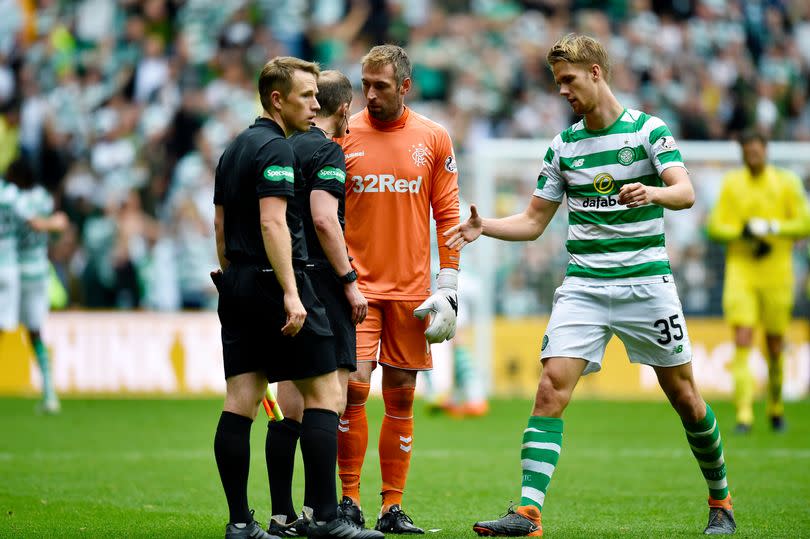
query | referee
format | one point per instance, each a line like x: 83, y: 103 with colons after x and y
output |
x: 273, y: 327
x: 323, y: 168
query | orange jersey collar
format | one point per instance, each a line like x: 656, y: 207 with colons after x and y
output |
x: 399, y: 123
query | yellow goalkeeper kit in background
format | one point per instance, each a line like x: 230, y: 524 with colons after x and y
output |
x: 759, y: 217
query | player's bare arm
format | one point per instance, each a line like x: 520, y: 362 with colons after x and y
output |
x: 278, y: 246
x: 525, y: 226
x: 324, y: 208
x: 56, y: 222
x: 677, y: 193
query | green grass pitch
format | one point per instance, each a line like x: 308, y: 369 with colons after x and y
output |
x: 145, y: 468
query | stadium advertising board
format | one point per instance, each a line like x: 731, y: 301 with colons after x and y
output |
x: 180, y: 354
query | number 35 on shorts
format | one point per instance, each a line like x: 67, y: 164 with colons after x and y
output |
x: 671, y: 332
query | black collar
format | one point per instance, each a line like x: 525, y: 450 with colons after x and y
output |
x: 267, y: 122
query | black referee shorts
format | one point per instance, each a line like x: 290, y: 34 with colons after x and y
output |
x: 330, y: 292
x: 251, y: 311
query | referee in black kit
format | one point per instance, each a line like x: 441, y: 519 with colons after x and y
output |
x: 323, y: 169
x: 273, y: 326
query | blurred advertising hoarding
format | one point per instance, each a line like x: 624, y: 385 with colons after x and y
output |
x: 515, y: 366
x: 111, y: 353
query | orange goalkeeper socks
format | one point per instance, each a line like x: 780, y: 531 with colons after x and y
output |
x: 396, y: 438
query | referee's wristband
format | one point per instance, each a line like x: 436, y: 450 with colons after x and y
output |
x: 349, y: 277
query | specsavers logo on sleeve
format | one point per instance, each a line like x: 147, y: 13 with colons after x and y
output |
x: 332, y: 173
x: 278, y: 174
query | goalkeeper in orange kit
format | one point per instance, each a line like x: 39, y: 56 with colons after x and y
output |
x: 400, y: 169
x: 761, y: 211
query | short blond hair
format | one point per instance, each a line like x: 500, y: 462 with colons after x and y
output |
x: 579, y: 49
x: 277, y: 76
x: 383, y: 55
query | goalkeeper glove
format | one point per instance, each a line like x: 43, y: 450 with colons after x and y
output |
x: 442, y: 306
x: 761, y: 249
x: 756, y: 227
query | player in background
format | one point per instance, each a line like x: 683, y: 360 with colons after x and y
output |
x: 760, y: 212
x: 322, y: 198
x: 9, y: 277
x: 618, y: 169
x: 400, y: 165
x: 36, y: 218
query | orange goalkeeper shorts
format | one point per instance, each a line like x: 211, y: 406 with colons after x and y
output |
x: 391, y: 329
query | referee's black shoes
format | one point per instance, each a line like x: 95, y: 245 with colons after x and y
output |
x: 341, y: 527
x: 249, y: 530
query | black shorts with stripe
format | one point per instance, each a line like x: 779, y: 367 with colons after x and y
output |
x: 251, y: 311
x: 330, y: 292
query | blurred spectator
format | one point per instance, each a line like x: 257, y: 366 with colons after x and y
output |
x: 122, y: 106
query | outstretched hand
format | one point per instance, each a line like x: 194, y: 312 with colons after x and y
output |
x: 466, y: 232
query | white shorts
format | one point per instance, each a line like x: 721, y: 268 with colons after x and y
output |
x: 9, y: 298
x: 648, y: 318
x: 34, y: 303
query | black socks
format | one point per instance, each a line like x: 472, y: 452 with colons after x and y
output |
x: 232, y: 451
x: 279, y: 450
x: 319, y: 449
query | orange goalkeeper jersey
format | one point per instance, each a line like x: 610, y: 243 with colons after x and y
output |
x: 396, y: 172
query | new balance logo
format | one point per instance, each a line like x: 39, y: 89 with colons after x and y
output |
x: 373, y: 183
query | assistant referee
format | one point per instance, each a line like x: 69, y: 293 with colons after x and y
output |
x: 323, y: 170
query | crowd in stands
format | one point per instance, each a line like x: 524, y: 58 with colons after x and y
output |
x: 123, y: 107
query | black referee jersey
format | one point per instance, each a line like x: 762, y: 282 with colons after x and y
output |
x: 257, y: 164
x: 323, y: 167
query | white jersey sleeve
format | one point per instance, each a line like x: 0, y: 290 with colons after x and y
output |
x: 550, y: 183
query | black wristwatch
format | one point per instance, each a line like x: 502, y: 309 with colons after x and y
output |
x: 349, y: 277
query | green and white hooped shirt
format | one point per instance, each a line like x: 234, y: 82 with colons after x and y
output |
x: 32, y: 246
x: 9, y: 221
x: 609, y: 243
